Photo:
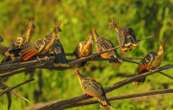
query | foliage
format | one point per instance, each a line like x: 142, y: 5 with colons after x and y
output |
x: 146, y: 17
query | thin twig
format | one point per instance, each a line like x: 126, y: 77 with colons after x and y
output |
x: 15, y: 93
x: 167, y: 75
x: 16, y: 86
x: 13, y: 72
x: 9, y: 66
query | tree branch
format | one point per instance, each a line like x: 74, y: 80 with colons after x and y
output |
x: 137, y: 95
x: 16, y: 86
x: 58, y: 105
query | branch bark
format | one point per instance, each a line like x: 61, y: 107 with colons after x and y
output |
x: 59, y: 105
x: 137, y: 95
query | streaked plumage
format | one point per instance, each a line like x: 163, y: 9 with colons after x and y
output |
x: 31, y: 52
x: 151, y: 61
x: 14, y: 51
x: 103, y: 44
x: 19, y: 44
x: 126, y: 37
x: 41, y: 47
x: 94, y: 89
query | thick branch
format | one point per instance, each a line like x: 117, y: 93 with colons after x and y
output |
x: 62, y: 104
x: 10, y: 66
x: 150, y: 93
x: 46, y: 60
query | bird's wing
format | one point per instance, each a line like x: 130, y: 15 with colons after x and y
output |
x: 92, y: 88
x: 132, y: 35
x: 104, y: 43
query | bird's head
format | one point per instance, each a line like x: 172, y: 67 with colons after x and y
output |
x: 57, y: 30
x: 57, y: 27
x: 114, y: 25
x: 31, y: 25
x: 77, y: 72
x: 18, y: 42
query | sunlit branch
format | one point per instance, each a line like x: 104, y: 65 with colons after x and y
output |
x: 64, y: 103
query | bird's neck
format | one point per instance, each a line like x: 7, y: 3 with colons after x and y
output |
x: 80, y: 77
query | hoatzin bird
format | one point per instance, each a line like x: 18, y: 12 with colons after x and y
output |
x: 94, y: 89
x: 20, y: 43
x: 103, y: 44
x: 84, y: 48
x: 126, y: 37
x: 58, y: 51
x: 13, y: 52
x: 41, y: 47
x: 151, y: 61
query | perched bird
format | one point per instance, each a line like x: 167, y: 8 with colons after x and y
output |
x: 29, y: 30
x: 126, y: 37
x: 14, y: 51
x: 151, y: 61
x: 58, y: 50
x: 84, y: 48
x: 94, y: 89
x: 19, y: 44
x: 103, y: 44
x: 41, y: 47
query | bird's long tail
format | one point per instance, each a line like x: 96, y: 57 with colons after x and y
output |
x: 105, y: 103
